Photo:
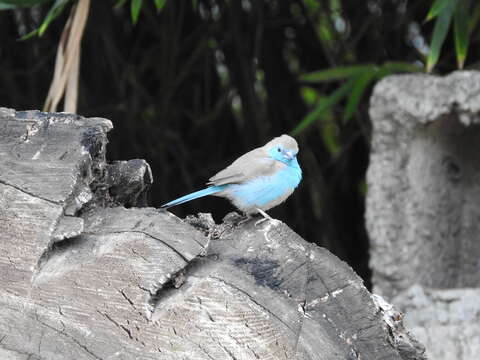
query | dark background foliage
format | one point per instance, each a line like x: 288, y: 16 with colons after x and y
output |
x: 201, y: 82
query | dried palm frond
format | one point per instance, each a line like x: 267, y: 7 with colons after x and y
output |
x: 67, y: 62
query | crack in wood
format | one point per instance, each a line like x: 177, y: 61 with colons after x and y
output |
x: 254, y: 301
x: 143, y: 233
x: 307, y: 263
x: 339, y: 333
x: 127, y: 298
x: 36, y: 196
x: 63, y: 333
x: 117, y: 324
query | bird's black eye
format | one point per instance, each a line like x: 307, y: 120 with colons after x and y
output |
x: 279, y: 150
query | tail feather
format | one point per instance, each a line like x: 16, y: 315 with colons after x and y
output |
x: 195, y: 195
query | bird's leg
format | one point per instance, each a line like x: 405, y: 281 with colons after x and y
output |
x: 243, y: 221
x: 265, y: 216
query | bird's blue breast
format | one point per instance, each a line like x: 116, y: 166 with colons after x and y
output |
x: 259, y: 192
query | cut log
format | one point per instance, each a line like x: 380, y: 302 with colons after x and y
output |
x: 85, y: 278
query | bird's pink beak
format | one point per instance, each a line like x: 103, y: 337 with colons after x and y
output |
x: 288, y: 155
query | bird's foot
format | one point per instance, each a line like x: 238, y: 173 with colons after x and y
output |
x: 265, y: 217
x: 243, y: 221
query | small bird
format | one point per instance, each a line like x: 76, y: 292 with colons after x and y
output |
x: 258, y: 180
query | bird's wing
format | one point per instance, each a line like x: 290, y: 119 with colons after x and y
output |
x: 248, y: 166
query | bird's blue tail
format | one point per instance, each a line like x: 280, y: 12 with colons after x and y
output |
x: 195, y: 195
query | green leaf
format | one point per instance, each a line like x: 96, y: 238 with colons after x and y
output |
x: 358, y: 89
x: 159, y: 4
x: 461, y: 31
x: 474, y: 18
x: 136, y: 6
x: 337, y: 73
x: 394, y: 67
x: 389, y: 68
x: 323, y: 106
x: 329, y: 133
x: 437, y: 7
x: 311, y: 5
x: 120, y: 3
x: 195, y: 4
x: 12, y: 4
x: 363, y: 187
x: 53, y: 13
x: 440, y: 30
x: 309, y: 95
x: 29, y: 35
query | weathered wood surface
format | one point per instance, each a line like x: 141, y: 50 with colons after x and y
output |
x: 423, y: 204
x: 83, y: 278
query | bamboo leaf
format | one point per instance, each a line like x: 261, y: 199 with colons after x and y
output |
x: 159, y: 4
x: 29, y: 35
x: 323, y: 106
x: 389, y: 68
x: 330, y: 133
x: 474, y: 18
x: 437, y: 7
x: 440, y: 30
x: 394, y: 67
x: 311, y: 5
x: 52, y: 14
x: 337, y: 73
x: 461, y: 31
x: 309, y: 95
x: 358, y: 89
x: 120, y: 3
x: 136, y: 6
x: 12, y: 4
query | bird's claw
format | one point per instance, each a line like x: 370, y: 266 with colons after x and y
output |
x: 248, y: 217
x: 243, y: 221
x: 260, y: 221
x: 265, y: 217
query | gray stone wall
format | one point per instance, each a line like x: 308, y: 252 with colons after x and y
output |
x: 423, y: 204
